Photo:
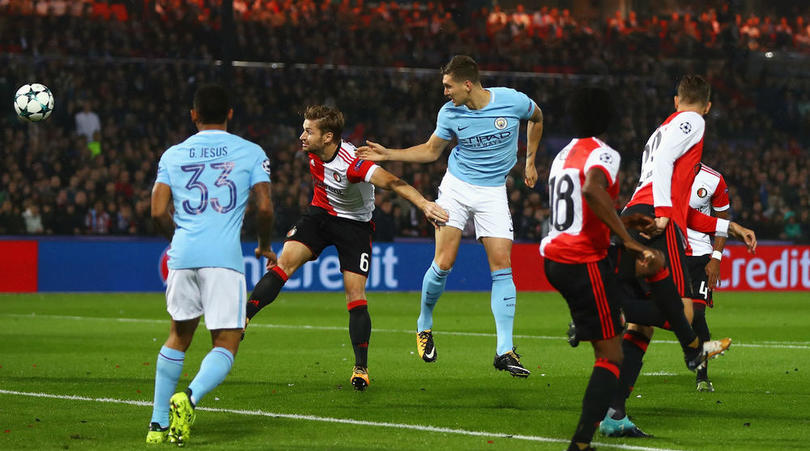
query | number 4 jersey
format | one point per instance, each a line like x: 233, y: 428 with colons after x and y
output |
x: 576, y: 235
x: 210, y: 175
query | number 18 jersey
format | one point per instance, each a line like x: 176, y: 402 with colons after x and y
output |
x: 210, y: 175
x: 576, y: 234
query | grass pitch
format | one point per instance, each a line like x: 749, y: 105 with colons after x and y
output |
x: 76, y: 372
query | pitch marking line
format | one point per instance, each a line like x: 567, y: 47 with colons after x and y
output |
x: 765, y: 344
x: 289, y: 416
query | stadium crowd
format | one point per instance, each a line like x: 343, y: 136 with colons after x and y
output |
x: 389, y: 33
x: 89, y: 169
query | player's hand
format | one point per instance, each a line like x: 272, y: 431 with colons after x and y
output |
x: 713, y: 272
x: 648, y: 260
x: 660, y: 225
x: 745, y: 235
x: 531, y: 176
x: 435, y: 214
x: 640, y: 222
x: 272, y: 260
x: 372, y: 152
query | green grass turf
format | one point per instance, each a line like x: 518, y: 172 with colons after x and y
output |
x: 105, y: 345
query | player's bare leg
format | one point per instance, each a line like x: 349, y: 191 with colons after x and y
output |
x: 502, y: 301
x: 448, y: 240
x: 359, y: 326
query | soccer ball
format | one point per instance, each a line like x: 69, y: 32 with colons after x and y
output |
x: 33, y: 102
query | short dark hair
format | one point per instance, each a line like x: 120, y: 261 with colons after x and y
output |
x: 211, y: 104
x: 694, y: 90
x: 328, y: 120
x: 590, y: 110
x: 462, y: 68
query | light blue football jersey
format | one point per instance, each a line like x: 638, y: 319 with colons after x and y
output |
x: 487, y: 138
x: 210, y: 174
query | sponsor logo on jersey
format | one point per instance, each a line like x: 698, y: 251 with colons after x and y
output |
x: 483, y: 141
x: 336, y: 176
x: 501, y: 123
x: 291, y: 232
x: 460, y: 128
x: 702, y: 192
x: 685, y: 127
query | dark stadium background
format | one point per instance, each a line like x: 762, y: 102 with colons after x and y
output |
x: 135, y: 64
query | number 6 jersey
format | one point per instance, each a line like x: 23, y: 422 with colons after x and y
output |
x: 576, y: 235
x: 210, y: 175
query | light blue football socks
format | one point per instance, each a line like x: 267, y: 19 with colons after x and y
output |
x: 432, y: 287
x: 213, y: 369
x: 167, y: 373
x: 503, y: 300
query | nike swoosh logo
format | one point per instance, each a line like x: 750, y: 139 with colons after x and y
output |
x: 430, y: 354
x: 506, y: 299
x: 460, y: 128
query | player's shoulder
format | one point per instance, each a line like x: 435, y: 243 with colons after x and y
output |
x: 686, y: 122
x: 504, y: 90
x: 602, y: 154
x: 345, y: 153
x: 704, y: 168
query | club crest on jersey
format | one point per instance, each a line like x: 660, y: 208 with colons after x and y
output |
x: 501, y: 123
x: 291, y: 232
x: 685, y: 127
x: 266, y: 166
x: 336, y: 176
x: 702, y: 192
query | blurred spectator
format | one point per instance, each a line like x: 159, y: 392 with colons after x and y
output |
x: 87, y: 122
x: 33, y: 220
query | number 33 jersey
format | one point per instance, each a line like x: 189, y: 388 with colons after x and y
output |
x: 576, y: 234
x: 210, y: 175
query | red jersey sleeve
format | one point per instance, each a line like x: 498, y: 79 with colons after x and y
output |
x: 720, y: 200
x: 360, y: 170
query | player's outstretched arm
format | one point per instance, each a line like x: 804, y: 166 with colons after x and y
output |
x: 422, y: 153
x: 534, y: 132
x: 161, y: 217
x: 433, y: 212
x: 264, y: 221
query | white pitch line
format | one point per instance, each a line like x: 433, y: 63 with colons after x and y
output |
x: 290, y: 416
x: 766, y: 344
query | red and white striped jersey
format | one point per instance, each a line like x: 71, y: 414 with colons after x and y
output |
x: 576, y: 235
x: 341, y: 186
x: 669, y: 165
x: 709, y: 192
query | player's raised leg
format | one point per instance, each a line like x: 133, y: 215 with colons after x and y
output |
x: 448, y: 240
x: 293, y: 255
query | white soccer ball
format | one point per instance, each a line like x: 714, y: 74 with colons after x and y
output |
x: 33, y: 102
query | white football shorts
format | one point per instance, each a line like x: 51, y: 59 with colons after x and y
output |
x: 486, y: 205
x: 217, y: 293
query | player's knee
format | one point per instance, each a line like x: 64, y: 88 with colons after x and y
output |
x: 647, y: 331
x: 444, y: 263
